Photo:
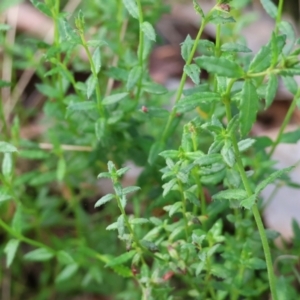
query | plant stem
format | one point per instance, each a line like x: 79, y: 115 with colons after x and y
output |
x: 279, y: 14
x: 285, y: 122
x: 182, y: 81
x: 255, y: 210
x: 186, y: 226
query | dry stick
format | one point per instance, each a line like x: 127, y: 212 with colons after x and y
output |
x: 27, y: 74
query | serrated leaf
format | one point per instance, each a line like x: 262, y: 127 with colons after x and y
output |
x: 262, y: 60
x: 7, y: 148
x: 206, y: 47
x: 91, y: 85
x: 168, y: 186
x: 244, y: 145
x: 42, y: 7
x: 121, y: 259
x: 235, y: 47
x: 220, y: 66
x: 132, y: 8
x: 270, y: 8
x: 133, y: 77
x: 186, y: 47
x: 248, y: 107
x: 112, y: 99
x: 290, y: 84
x: 193, y: 71
x: 271, y: 179
x: 175, y: 208
x: 10, y: 251
x: 82, y: 106
x: 149, y: 31
x: 287, y: 29
x: 271, y: 91
x: 290, y: 137
x: 97, y: 60
x: 130, y: 189
x: 66, y: 273
x: 104, y: 199
x: 233, y: 194
x: 228, y: 155
x: 248, y: 202
x: 123, y: 271
x: 198, y: 9
x: 100, y: 129
x: 209, y: 159
x: 190, y: 102
x: 40, y: 254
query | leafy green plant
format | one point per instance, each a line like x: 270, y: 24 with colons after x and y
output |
x: 192, y: 227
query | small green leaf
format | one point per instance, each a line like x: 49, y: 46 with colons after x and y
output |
x: 130, y: 189
x: 7, y: 166
x: 154, y: 88
x: 112, y: 99
x: 97, y: 60
x: 228, y: 155
x: 132, y: 8
x: 100, y: 129
x: 248, y: 202
x: 290, y: 84
x: 48, y: 90
x: 82, y: 106
x: 262, y: 60
x: 42, y: 7
x: 198, y: 9
x: 234, y: 194
x: 206, y: 47
x: 7, y: 148
x: 40, y: 254
x: 190, y: 102
x: 186, y: 47
x: 255, y: 263
x: 290, y: 137
x: 270, y: 8
x: 155, y: 149
x: 137, y: 221
x: 133, y: 77
x: 209, y: 159
x: 271, y: 91
x: 193, y: 71
x: 104, y: 199
x: 61, y: 169
x: 67, y: 273
x: 149, y: 31
x: 248, y: 107
x: 10, y: 251
x: 220, y: 66
x: 91, y: 85
x: 64, y: 257
x: 175, y: 208
x: 245, y: 144
x: 121, y: 259
x: 234, y: 47
x: 168, y: 186
x: 271, y: 179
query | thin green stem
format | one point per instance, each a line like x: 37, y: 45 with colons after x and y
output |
x: 218, y: 41
x: 183, y: 79
x: 94, y: 73
x: 24, y: 239
x: 285, y: 122
x: 140, y: 49
x: 279, y: 14
x: 186, y: 225
x: 255, y: 210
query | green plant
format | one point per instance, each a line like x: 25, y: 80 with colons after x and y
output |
x: 192, y: 228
